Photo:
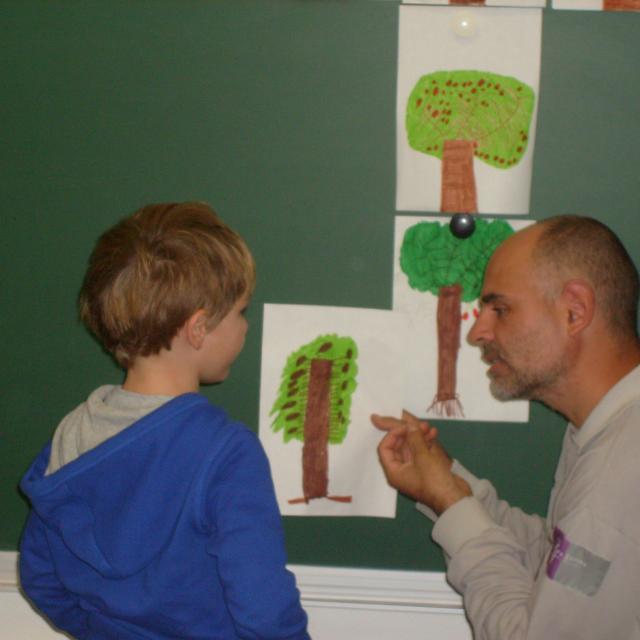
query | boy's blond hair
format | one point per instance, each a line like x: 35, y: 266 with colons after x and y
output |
x: 150, y: 272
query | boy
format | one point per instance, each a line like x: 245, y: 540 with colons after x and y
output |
x: 154, y: 514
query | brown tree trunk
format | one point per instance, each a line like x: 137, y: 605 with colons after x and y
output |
x: 449, y: 319
x: 621, y: 5
x: 476, y: 2
x: 315, y: 451
x: 458, y: 188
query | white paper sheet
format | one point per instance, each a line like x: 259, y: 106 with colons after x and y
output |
x: 488, y: 3
x: 577, y: 4
x: 354, y: 469
x: 491, y: 40
x: 422, y: 367
x: 588, y: 5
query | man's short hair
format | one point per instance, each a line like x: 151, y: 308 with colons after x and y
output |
x: 582, y: 247
x: 150, y: 272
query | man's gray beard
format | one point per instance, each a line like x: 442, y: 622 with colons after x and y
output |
x: 526, y: 387
x: 513, y: 392
x: 513, y: 387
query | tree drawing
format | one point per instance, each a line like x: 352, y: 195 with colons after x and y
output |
x: 621, y: 5
x: 458, y: 115
x: 314, y: 405
x: 451, y: 268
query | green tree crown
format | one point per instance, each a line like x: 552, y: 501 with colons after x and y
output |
x: 291, y: 404
x: 492, y: 110
x: 432, y: 257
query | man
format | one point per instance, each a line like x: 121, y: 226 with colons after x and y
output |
x: 557, y: 324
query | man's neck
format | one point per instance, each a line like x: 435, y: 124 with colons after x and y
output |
x: 587, y: 385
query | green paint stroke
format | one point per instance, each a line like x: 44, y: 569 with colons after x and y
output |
x: 432, y: 257
x: 291, y: 405
x: 493, y: 110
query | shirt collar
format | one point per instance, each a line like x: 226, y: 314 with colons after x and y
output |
x: 626, y: 390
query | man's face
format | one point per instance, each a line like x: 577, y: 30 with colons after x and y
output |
x: 519, y: 329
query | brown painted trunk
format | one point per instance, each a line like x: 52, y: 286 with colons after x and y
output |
x: 621, y: 5
x: 467, y: 2
x: 449, y: 319
x: 458, y: 188
x: 315, y: 451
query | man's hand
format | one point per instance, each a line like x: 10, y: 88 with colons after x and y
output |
x: 387, y: 423
x: 415, y: 463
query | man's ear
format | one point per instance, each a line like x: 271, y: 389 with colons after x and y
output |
x: 195, y: 328
x: 580, y: 305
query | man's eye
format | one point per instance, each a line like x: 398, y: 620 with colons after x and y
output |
x: 499, y: 311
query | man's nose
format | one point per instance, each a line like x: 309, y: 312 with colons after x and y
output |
x: 481, y: 331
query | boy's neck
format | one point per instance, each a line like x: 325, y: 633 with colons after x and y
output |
x: 160, y: 375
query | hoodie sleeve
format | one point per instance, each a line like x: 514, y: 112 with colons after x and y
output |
x: 487, y: 510
x: 530, y: 531
x: 40, y: 582
x: 248, y: 541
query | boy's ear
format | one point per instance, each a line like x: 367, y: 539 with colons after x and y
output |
x: 580, y: 305
x: 195, y: 328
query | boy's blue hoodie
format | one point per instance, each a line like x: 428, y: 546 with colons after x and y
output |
x: 169, y: 529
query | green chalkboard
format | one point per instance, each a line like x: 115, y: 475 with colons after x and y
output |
x: 281, y: 114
